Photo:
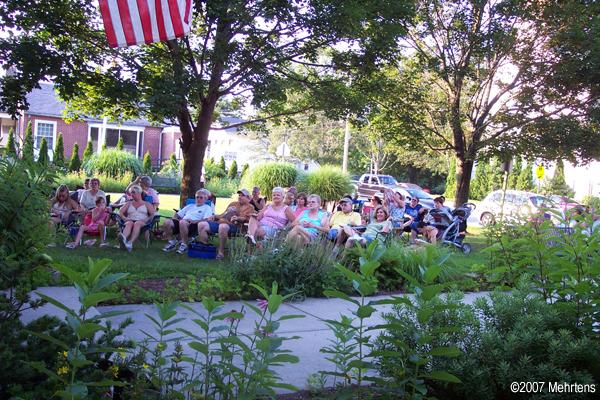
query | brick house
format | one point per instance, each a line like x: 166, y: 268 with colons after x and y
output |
x: 46, y: 115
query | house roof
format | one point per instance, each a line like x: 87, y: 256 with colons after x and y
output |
x: 45, y: 102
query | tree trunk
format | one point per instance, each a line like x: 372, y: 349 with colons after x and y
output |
x: 464, y: 168
x: 194, y: 150
x: 412, y: 173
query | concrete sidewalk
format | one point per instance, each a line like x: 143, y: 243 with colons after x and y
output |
x: 312, y: 330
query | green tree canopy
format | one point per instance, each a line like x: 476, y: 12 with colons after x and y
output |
x: 249, y: 50
x: 474, y: 83
x: 11, y: 147
x: 43, y: 158
x: 233, y: 170
x: 59, y: 152
x: 88, y: 152
x: 525, y: 181
x: 75, y: 162
x: 147, y: 163
x: 28, y: 143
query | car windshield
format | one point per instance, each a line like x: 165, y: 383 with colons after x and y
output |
x: 539, y: 200
x: 387, y: 180
x: 418, y: 194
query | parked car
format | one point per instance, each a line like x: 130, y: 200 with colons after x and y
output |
x: 517, y: 204
x: 425, y: 199
x: 563, y: 202
x: 369, y: 184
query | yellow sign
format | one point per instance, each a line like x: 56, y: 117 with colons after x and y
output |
x: 539, y: 172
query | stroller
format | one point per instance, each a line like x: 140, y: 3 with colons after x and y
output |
x: 453, y: 235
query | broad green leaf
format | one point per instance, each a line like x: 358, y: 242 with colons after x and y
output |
x: 96, y: 269
x: 431, y: 273
x: 56, y: 303
x: 285, y: 358
x: 445, y: 351
x: 441, y: 376
x: 365, y: 311
x: 74, y: 277
x: 339, y: 295
x: 110, y: 279
x: 199, y: 347
x: 274, y: 303
x: 87, y: 329
x: 49, y: 338
x: 429, y: 292
x: 92, y: 300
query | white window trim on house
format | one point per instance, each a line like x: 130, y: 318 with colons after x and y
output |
x: 139, y: 141
x: 36, y: 145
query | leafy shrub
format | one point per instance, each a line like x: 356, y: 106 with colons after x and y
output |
x: 308, y: 271
x: 517, y: 337
x: 147, y: 163
x: 592, y: 202
x: 170, y: 168
x: 223, y: 187
x: 58, y: 158
x: 113, y: 162
x: 269, y: 175
x: 397, y: 259
x: 212, y: 171
x: 233, y: 170
x: 107, y: 183
x: 329, y: 182
x: 88, y: 151
x: 75, y: 162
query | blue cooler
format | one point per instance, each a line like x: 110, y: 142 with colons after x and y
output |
x: 198, y: 250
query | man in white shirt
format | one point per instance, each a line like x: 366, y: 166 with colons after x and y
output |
x: 185, y: 222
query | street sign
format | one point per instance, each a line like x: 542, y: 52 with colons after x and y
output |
x: 539, y: 172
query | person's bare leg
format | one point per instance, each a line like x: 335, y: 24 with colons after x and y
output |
x: 223, y: 233
x: 184, y: 227
x: 168, y: 229
x: 128, y: 228
x: 253, y: 226
x: 137, y: 226
x: 79, y: 235
x: 433, y: 235
x: 102, y: 231
x: 341, y: 238
x: 349, y: 243
x: 203, y: 229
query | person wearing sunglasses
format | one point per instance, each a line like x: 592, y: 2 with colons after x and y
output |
x: 185, y: 222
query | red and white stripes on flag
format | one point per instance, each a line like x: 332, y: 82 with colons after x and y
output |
x: 131, y: 22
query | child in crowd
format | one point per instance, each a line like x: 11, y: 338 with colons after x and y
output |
x: 94, y: 223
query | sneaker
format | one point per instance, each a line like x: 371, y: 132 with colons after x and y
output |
x: 90, y: 242
x: 129, y: 246
x: 104, y: 244
x: 182, y: 248
x: 250, y: 239
x: 122, y: 241
x: 171, y: 244
x: 71, y: 245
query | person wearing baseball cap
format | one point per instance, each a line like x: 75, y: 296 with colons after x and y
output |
x: 340, y: 218
x: 229, y: 222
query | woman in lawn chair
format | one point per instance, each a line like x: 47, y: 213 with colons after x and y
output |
x: 270, y: 220
x: 63, y: 209
x: 135, y: 214
x: 309, y: 224
x: 376, y: 230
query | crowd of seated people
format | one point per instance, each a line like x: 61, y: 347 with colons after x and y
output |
x: 298, y: 217
x: 86, y: 210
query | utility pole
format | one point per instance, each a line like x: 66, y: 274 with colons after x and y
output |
x: 346, y: 145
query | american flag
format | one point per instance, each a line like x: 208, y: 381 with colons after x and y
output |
x: 132, y: 22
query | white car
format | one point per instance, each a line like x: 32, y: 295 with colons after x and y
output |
x: 517, y: 204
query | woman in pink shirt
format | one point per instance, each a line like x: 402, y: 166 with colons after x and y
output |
x: 301, y: 204
x: 271, y: 219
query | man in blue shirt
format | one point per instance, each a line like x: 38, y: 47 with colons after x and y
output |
x: 416, y: 211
